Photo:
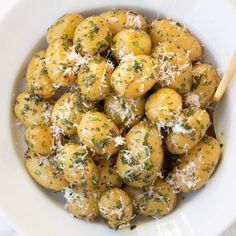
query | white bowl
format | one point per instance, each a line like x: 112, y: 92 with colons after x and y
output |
x: 34, y: 211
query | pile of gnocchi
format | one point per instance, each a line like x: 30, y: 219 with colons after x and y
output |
x: 115, y: 115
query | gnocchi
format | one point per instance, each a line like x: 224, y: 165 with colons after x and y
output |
x: 204, y: 83
x: 141, y: 158
x: 134, y: 76
x: 196, y: 167
x: 64, y: 27
x: 92, y: 35
x: 164, y: 30
x: 37, y: 79
x: 98, y: 132
x: 116, y: 207
x: 175, y: 67
x: 156, y: 200
x: 131, y: 41
x: 93, y: 78
x: 115, y: 115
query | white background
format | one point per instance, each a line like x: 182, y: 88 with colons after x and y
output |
x: 5, y: 228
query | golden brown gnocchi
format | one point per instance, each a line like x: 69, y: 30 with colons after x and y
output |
x: 134, y: 76
x: 188, y: 131
x: 163, y: 107
x: 156, y: 200
x: 60, y: 68
x: 195, y: 168
x: 98, y: 132
x: 68, y: 110
x: 140, y: 160
x: 164, y: 30
x: 204, y: 83
x: 39, y: 139
x: 32, y: 110
x: 174, y: 67
x: 37, y: 79
x: 116, y: 207
x: 131, y: 41
x: 83, y: 204
x: 64, y: 27
x: 79, y: 167
x: 125, y: 112
x: 94, y: 78
x: 119, y: 19
x: 92, y: 36
x: 44, y: 172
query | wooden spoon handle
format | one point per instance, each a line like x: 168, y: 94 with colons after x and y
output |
x: 228, y: 75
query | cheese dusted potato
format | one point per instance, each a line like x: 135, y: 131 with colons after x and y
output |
x: 44, y: 172
x: 92, y: 35
x: 165, y: 30
x: 60, y: 68
x: 94, y: 78
x: 195, y: 168
x: 131, y: 41
x: 98, y: 132
x: 120, y: 19
x: 83, y: 204
x: 39, y: 138
x: 32, y: 110
x: 125, y: 112
x: 116, y: 207
x: 188, y: 131
x: 174, y: 67
x: 141, y: 158
x: 64, y: 27
x: 37, y: 79
x: 68, y: 110
x: 79, y: 167
x: 134, y: 76
x: 204, y: 83
x: 163, y: 107
x: 156, y: 200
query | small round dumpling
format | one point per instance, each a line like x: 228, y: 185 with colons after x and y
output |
x: 39, y: 139
x: 195, y: 168
x: 163, y: 107
x: 155, y: 200
x: 32, y: 110
x: 116, y: 207
x: 119, y: 19
x: 165, y: 30
x: 134, y: 76
x: 94, y: 78
x: 59, y: 65
x: 139, y: 162
x: 44, y: 172
x: 37, y: 79
x: 124, y: 111
x: 79, y: 167
x: 83, y: 204
x: 92, y: 35
x: 204, y: 83
x: 108, y: 176
x: 174, y: 67
x: 68, y: 110
x: 64, y: 27
x: 188, y: 130
x: 131, y: 41
x: 98, y: 132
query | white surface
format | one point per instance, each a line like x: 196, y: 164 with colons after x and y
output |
x: 34, y: 211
